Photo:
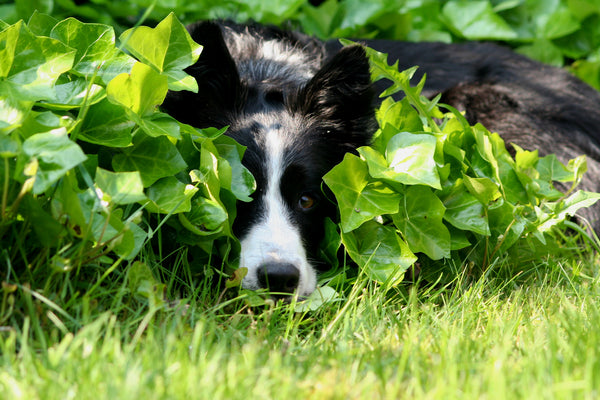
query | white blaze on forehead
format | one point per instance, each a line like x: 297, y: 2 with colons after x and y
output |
x: 274, y: 238
x: 282, y: 53
x: 273, y: 58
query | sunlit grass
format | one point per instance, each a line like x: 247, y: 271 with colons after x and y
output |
x: 532, y: 336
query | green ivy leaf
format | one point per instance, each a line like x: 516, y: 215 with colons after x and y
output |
x: 68, y: 202
x: 47, y: 229
x: 322, y: 295
x: 330, y: 245
x: 39, y: 122
x: 550, y: 169
x: 476, y: 20
x: 125, y: 238
x: 465, y: 211
x: 55, y: 155
x: 380, y: 251
x: 409, y: 159
x: 359, y: 200
x: 141, y: 91
x: 41, y: 24
x: 421, y: 221
x: 506, y: 223
x: 206, y: 217
x: 559, y: 23
x: 74, y: 94
x: 122, y: 187
x: 107, y: 124
x: 208, y: 173
x: 583, y: 42
x: 154, y: 158
x: 168, y: 48
x: 554, y: 213
x: 484, y: 189
x: 380, y: 69
x: 170, y: 196
x: 159, y: 124
x: 242, y: 183
x: 235, y: 280
x: 9, y: 147
x: 30, y: 65
x: 395, y: 117
x: 544, y: 51
x: 95, y: 47
x: 12, y: 111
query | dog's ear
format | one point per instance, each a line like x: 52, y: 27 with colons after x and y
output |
x: 219, y: 85
x: 341, y: 93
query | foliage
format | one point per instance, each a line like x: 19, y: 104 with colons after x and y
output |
x: 87, y: 156
x: 89, y: 160
x: 553, y: 31
x: 437, y: 188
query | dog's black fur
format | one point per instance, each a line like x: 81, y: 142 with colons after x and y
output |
x: 299, y: 104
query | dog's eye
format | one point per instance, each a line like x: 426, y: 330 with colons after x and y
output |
x: 306, y: 202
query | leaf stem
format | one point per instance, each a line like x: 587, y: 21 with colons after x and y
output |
x: 5, y: 188
x: 418, y: 104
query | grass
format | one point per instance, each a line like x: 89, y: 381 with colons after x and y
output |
x: 531, y: 336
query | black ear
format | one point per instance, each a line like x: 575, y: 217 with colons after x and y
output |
x: 219, y: 86
x: 341, y: 94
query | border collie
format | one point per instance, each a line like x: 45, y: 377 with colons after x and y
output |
x: 299, y: 104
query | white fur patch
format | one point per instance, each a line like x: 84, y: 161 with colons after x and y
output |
x: 271, y: 59
x: 274, y: 238
x: 279, y: 52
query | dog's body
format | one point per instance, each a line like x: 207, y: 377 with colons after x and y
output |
x: 299, y: 104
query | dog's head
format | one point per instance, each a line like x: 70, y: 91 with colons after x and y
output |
x: 296, y: 125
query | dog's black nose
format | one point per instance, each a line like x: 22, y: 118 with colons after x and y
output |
x: 279, y: 277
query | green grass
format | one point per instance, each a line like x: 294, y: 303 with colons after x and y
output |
x: 533, y: 336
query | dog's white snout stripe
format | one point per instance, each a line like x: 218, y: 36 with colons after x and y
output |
x: 274, y: 238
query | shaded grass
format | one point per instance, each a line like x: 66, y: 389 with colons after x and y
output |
x: 532, y: 336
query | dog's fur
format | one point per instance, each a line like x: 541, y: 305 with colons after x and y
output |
x: 299, y: 104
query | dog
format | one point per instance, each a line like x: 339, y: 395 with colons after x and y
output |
x: 298, y: 104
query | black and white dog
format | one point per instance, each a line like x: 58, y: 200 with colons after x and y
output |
x: 299, y: 104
